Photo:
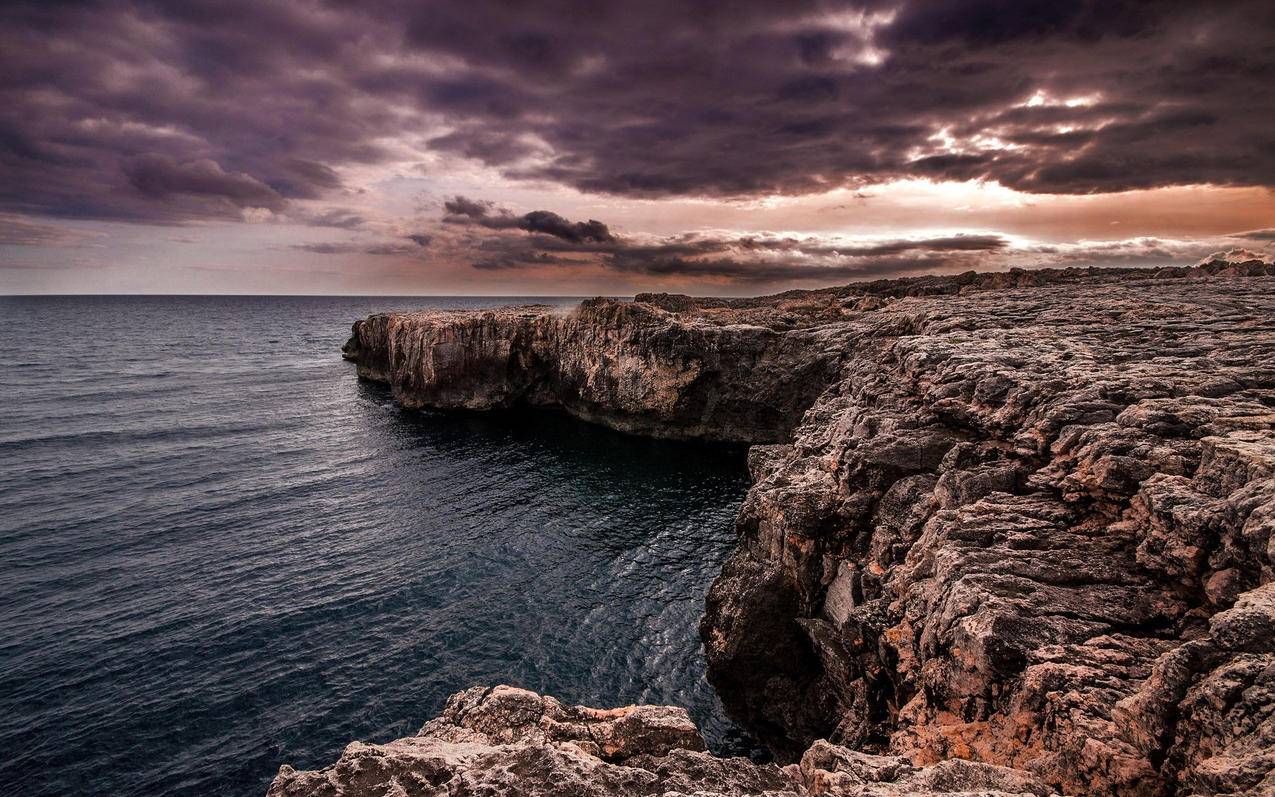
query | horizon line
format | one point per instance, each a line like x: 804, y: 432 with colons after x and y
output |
x: 334, y: 295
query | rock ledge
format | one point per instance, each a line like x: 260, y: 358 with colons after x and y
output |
x: 508, y: 741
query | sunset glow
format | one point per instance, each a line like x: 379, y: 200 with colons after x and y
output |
x: 304, y: 147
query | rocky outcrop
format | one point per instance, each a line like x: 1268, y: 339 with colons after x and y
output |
x: 508, y: 742
x: 630, y: 366
x: 1023, y: 519
x: 1013, y: 531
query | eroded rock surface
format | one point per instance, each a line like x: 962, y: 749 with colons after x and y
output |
x: 508, y: 742
x: 1022, y: 519
x: 1014, y: 531
x: 630, y: 366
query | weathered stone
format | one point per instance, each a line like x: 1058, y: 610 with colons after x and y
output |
x: 630, y: 366
x: 1105, y: 495
x: 1023, y: 520
x: 507, y: 742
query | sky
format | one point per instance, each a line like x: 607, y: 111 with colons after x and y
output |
x: 581, y: 148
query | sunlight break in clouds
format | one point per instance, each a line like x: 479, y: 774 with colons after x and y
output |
x: 299, y: 146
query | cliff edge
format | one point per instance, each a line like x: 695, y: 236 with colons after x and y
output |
x: 632, y: 366
x: 1022, y: 519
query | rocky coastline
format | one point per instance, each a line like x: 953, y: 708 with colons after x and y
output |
x: 1008, y: 533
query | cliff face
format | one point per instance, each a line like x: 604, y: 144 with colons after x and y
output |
x: 1021, y: 519
x: 1027, y: 527
x: 633, y: 367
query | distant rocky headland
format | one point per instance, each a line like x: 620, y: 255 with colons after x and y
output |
x: 1009, y: 533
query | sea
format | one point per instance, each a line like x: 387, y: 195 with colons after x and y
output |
x: 220, y: 551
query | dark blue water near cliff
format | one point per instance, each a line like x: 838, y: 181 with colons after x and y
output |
x: 220, y: 552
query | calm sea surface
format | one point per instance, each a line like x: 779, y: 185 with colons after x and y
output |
x: 220, y: 552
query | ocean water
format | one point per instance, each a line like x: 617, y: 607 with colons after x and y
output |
x: 220, y: 551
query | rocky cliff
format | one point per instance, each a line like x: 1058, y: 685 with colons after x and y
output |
x: 1022, y: 519
x: 630, y: 366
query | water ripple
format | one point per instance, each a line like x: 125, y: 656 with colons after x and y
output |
x: 220, y: 552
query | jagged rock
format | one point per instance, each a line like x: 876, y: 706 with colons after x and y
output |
x: 629, y: 366
x: 1022, y: 519
x: 508, y: 742
x: 1037, y: 495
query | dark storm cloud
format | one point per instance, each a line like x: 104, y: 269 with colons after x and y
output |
x: 689, y: 259
x: 304, y: 179
x: 462, y: 210
x: 462, y: 207
x: 767, y: 258
x: 127, y: 110
x: 801, y: 97
x: 159, y: 177
x: 549, y: 223
x: 595, y: 236
x: 152, y: 111
x: 554, y: 241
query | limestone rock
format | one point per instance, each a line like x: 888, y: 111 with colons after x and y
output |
x: 1045, y: 544
x: 630, y: 366
x: 508, y: 742
x: 1021, y: 520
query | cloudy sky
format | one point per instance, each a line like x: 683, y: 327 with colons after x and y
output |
x: 291, y: 146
